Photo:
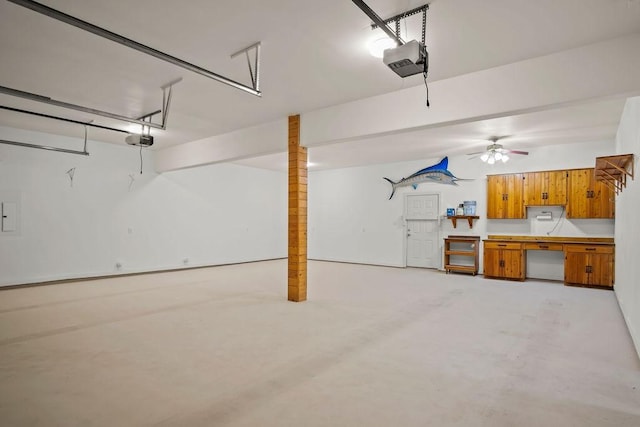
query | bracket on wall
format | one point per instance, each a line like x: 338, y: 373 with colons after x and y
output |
x: 613, y: 170
x: 469, y: 218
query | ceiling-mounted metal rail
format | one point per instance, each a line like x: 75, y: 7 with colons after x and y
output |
x: 46, y: 147
x: 63, y: 119
x: 99, y: 31
x: 46, y: 100
x: 377, y: 20
x: 420, y: 9
x: 398, y: 17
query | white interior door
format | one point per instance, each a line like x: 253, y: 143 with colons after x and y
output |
x: 423, y: 231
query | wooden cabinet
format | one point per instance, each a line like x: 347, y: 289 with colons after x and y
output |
x: 588, y: 261
x: 545, y: 188
x: 591, y: 265
x: 504, y: 197
x: 504, y: 260
x: 588, y: 198
x: 461, y: 254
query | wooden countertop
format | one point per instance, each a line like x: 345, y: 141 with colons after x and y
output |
x: 552, y: 239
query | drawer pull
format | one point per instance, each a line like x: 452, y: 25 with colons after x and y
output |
x: 589, y: 249
x: 502, y: 244
x: 543, y: 246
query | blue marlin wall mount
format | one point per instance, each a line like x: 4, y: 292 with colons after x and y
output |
x: 437, y: 173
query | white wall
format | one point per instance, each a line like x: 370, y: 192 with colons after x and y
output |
x: 351, y: 220
x: 209, y: 215
x: 627, y: 285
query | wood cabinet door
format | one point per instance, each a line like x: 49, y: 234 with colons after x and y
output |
x: 514, y: 207
x: 504, y: 196
x: 556, y: 188
x: 579, y: 202
x: 533, y: 188
x: 495, y: 196
x: 545, y: 188
x: 601, y: 271
x: 588, y: 198
x: 512, y: 264
x: 602, y: 204
x: 575, y: 268
x: 491, y: 267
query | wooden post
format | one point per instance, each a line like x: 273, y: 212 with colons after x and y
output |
x: 297, y: 289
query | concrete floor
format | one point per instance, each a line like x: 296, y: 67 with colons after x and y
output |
x: 373, y: 346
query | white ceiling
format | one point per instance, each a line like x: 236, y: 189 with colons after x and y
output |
x: 313, y: 55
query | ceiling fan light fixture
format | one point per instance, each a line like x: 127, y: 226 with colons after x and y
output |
x: 495, y: 152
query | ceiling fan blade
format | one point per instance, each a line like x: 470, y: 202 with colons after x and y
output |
x: 477, y: 152
x: 475, y: 155
x: 526, y: 153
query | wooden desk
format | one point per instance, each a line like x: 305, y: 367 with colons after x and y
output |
x: 588, y: 261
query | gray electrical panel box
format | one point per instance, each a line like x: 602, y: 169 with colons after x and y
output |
x: 9, y: 217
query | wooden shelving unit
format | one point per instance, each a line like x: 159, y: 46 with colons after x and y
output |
x: 454, y: 219
x: 462, y: 246
x: 613, y: 170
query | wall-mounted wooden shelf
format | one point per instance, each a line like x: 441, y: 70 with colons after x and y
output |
x: 613, y: 170
x: 454, y: 219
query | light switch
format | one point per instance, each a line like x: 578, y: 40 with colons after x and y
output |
x: 9, y: 216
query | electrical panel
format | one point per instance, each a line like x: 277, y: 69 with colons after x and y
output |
x: 9, y: 217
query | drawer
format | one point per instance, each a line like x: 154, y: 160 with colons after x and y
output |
x: 589, y: 249
x: 503, y: 245
x: 540, y: 246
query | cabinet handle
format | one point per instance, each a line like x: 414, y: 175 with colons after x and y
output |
x: 589, y: 249
x: 589, y: 269
x: 501, y: 263
x: 543, y: 246
x: 502, y: 244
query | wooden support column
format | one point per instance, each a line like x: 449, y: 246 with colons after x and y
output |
x: 297, y: 289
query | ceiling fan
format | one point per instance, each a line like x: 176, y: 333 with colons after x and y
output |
x: 495, y: 152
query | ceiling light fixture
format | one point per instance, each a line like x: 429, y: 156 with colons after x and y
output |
x: 378, y: 46
x: 493, y: 156
x: 495, y: 152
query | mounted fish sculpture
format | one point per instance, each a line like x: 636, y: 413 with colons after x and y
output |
x: 437, y: 173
